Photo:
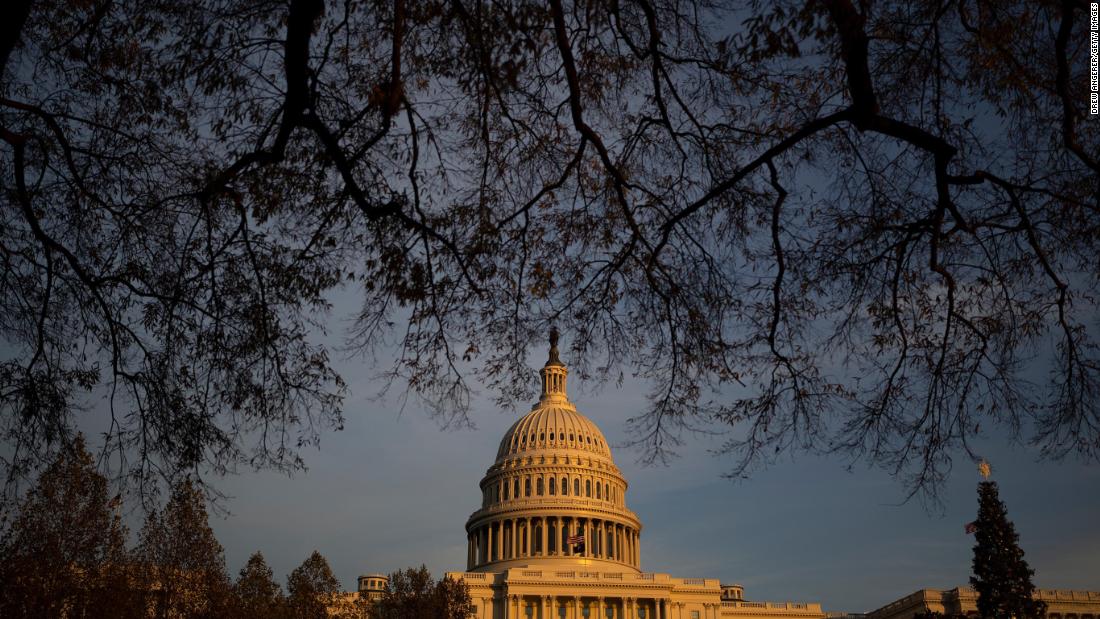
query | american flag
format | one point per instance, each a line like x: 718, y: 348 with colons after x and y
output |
x: 573, y: 540
x: 971, y: 527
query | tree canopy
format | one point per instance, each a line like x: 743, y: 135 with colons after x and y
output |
x: 414, y: 594
x: 65, y: 555
x: 65, y: 551
x: 826, y: 225
x: 256, y: 592
x: 313, y: 588
x: 182, y: 563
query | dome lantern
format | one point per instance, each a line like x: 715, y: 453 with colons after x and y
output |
x: 553, y: 373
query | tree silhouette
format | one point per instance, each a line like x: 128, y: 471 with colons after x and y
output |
x: 840, y: 227
x: 413, y: 594
x: 182, y: 563
x: 313, y: 588
x: 64, y: 554
x: 256, y: 593
x: 1001, y: 577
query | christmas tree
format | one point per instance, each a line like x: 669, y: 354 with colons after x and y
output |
x: 1001, y: 577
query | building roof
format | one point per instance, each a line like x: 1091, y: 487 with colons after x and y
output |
x: 554, y: 428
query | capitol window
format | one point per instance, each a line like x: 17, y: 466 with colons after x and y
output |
x: 588, y: 488
x: 597, y: 490
x: 564, y: 486
x: 577, y: 487
x: 538, y: 486
x: 527, y: 487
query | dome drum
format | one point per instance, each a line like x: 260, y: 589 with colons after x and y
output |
x: 532, y: 485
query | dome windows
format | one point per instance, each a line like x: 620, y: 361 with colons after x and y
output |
x: 538, y: 486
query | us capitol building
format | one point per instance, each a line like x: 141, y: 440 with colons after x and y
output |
x: 555, y: 539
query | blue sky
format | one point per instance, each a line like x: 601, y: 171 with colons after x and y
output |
x: 393, y: 490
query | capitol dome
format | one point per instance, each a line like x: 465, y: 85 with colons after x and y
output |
x: 553, y: 428
x: 553, y: 495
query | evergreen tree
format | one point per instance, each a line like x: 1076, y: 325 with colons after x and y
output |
x: 183, y: 563
x: 256, y: 592
x: 64, y: 554
x: 313, y: 588
x: 413, y: 594
x: 1001, y: 577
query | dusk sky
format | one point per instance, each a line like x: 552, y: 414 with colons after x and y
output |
x: 889, y: 206
x: 392, y: 490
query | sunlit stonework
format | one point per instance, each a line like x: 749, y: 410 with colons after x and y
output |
x: 555, y: 537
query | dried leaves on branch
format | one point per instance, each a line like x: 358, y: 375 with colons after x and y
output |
x: 835, y: 226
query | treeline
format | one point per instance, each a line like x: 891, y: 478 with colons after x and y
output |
x: 65, y: 555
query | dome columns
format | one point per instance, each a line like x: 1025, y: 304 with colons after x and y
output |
x: 546, y: 537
